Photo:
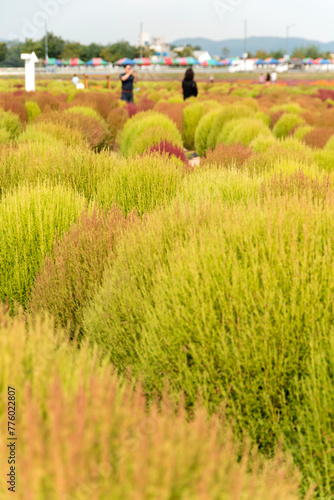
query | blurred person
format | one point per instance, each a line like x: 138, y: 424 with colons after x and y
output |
x: 189, y: 85
x: 128, y: 79
x: 75, y: 80
x: 261, y: 78
x: 212, y: 79
x: 273, y: 77
x: 268, y: 78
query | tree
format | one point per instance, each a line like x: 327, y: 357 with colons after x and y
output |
x: 261, y: 54
x: 56, y: 45
x: 187, y: 51
x: 307, y: 51
x: 72, y: 49
x: 147, y: 51
x: 89, y: 51
x: 117, y: 51
x: 277, y: 54
x: 30, y: 46
x: 225, y: 52
x: 3, y: 51
x: 13, y: 56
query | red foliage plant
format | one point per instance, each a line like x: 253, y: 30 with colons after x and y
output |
x: 69, y: 277
x: 173, y: 110
x: 274, y: 117
x: 93, y: 130
x: 298, y: 184
x: 170, y: 149
x: 326, y: 119
x: 14, y: 104
x: 226, y: 156
x: 116, y: 120
x: 318, y: 137
x: 325, y: 94
x: 103, y: 103
x: 143, y: 105
x: 49, y: 102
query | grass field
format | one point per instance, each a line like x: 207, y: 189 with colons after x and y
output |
x: 167, y: 325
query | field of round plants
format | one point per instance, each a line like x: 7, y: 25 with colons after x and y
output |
x: 168, y: 324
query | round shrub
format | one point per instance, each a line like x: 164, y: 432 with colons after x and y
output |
x: 30, y: 219
x: 70, y: 274
x: 203, y: 131
x: 141, y: 123
x: 33, y: 110
x: 153, y: 135
x: 318, y: 137
x: 262, y: 143
x: 226, y: 156
x: 5, y: 136
x: 10, y: 122
x: 301, y: 131
x: 212, y: 300
x: 290, y: 107
x: 165, y: 147
x: 226, y: 114
x: 93, y: 130
x: 285, y: 124
x: 243, y: 131
x: 141, y: 183
x: 85, y: 111
x: 191, y: 117
x: 116, y: 121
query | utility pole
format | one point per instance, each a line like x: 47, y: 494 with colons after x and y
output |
x: 141, y: 40
x: 288, y: 36
x: 46, y: 44
x: 245, y: 36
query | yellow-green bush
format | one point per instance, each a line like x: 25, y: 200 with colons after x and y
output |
x: 285, y: 124
x: 30, y: 219
x: 228, y: 113
x: 203, y: 131
x: 191, y: 117
x: 140, y: 124
x: 243, y: 131
x: 10, y: 122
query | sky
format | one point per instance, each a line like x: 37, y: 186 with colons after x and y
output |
x: 104, y: 21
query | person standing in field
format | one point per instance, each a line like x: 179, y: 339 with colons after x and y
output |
x: 268, y: 78
x: 261, y: 78
x: 128, y: 79
x: 75, y: 80
x: 273, y: 77
x: 189, y: 85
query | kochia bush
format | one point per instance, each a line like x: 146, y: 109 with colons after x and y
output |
x: 140, y: 124
x: 30, y: 219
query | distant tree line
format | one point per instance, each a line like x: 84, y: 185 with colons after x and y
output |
x: 311, y: 50
x: 10, y: 53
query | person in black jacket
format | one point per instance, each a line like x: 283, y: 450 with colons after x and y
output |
x: 189, y: 85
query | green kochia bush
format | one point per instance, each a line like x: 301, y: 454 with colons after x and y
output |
x: 10, y: 122
x: 243, y: 131
x: 33, y: 110
x: 227, y: 113
x: 141, y: 183
x: 30, y: 218
x: 130, y: 141
x: 191, y: 117
x: 233, y: 303
x: 203, y: 131
x: 286, y: 123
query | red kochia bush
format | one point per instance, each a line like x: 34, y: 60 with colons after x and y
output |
x: 225, y: 156
x: 170, y: 149
x: 103, y: 103
x: 14, y: 104
x: 318, y: 137
x: 173, y: 110
x: 116, y: 121
x: 68, y: 278
x: 325, y: 94
x: 144, y: 105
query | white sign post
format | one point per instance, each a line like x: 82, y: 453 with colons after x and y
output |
x: 30, y: 60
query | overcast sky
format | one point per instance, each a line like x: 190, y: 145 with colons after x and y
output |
x: 108, y: 21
